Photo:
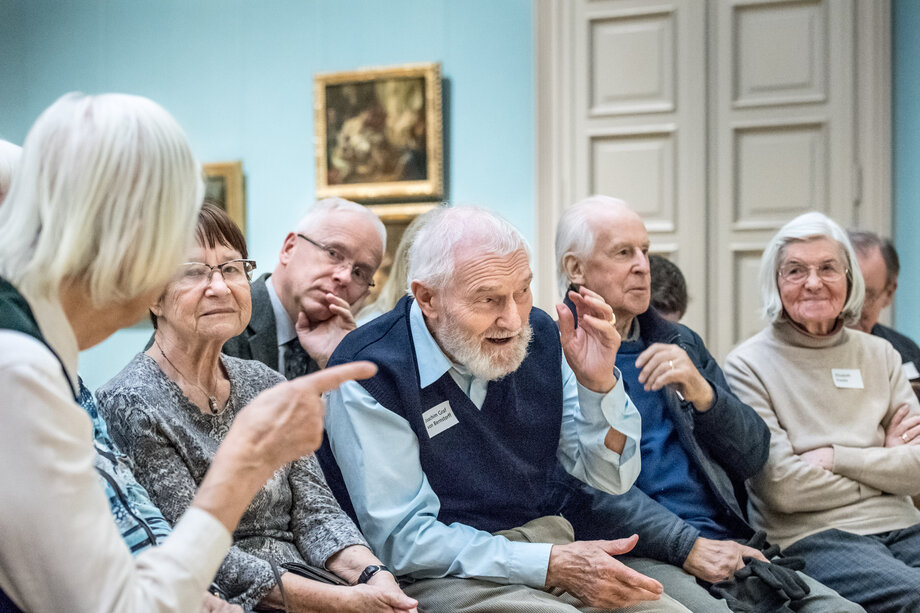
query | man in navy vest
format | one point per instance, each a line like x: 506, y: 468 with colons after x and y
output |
x: 699, y: 441
x: 449, y: 453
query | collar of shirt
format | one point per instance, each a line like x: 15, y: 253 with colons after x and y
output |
x: 432, y: 363
x: 430, y: 360
x: 55, y: 327
x: 634, y: 331
x: 284, y: 327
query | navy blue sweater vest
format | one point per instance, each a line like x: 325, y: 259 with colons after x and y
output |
x: 493, y: 469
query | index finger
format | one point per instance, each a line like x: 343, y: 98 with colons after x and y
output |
x: 331, y: 378
x: 333, y: 299
x: 634, y: 578
x: 587, y: 293
x: 594, y: 300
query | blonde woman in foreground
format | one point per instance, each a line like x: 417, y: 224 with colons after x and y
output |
x: 97, y: 221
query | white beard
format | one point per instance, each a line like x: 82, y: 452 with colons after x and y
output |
x: 484, y: 364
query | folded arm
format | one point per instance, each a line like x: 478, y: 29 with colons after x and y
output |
x: 788, y: 483
x: 894, y: 468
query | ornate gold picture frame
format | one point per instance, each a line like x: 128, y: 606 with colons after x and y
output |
x: 225, y: 183
x: 378, y: 133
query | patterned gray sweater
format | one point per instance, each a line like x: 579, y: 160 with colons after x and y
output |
x: 294, y: 517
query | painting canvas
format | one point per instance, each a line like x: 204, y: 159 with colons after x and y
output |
x: 378, y: 133
x: 226, y: 185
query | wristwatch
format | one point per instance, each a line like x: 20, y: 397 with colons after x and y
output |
x: 370, y: 571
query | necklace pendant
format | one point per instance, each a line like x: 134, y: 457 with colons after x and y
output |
x: 212, y: 404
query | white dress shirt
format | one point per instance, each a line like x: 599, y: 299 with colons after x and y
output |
x: 285, y: 331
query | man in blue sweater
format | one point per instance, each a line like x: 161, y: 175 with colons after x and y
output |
x: 449, y: 453
x: 699, y: 441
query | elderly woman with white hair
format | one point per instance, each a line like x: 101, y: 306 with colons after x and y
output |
x: 99, y: 216
x: 845, y: 432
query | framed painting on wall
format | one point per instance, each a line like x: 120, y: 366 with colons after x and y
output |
x: 226, y: 185
x: 378, y: 133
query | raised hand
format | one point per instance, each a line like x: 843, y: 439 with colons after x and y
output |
x: 588, y: 571
x: 321, y: 339
x: 591, y: 348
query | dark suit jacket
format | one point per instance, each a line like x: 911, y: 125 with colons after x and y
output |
x: 259, y: 341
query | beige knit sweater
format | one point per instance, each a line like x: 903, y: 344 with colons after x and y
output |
x: 786, y: 376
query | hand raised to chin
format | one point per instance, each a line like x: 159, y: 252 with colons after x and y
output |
x: 320, y: 340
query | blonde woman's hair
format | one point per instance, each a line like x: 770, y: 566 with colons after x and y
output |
x: 106, y: 196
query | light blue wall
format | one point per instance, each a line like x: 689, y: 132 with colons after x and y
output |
x: 906, y: 133
x: 237, y: 75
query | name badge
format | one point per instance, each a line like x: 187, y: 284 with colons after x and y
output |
x: 849, y: 378
x: 910, y: 370
x: 438, y: 419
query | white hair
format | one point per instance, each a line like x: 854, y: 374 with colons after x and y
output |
x: 433, y: 254
x: 9, y: 164
x: 106, y: 196
x: 326, y: 206
x: 576, y: 234
x: 808, y: 227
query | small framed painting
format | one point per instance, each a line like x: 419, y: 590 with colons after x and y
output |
x: 225, y: 184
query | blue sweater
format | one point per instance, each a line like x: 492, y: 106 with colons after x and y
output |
x: 668, y: 476
x: 727, y: 444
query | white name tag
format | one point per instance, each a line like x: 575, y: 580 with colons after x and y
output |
x: 439, y: 419
x: 910, y: 370
x: 849, y: 378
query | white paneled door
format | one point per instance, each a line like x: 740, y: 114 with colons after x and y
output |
x: 718, y: 121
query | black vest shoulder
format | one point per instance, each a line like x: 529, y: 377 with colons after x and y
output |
x: 15, y: 314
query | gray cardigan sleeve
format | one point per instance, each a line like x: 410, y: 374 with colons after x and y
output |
x: 320, y: 526
x: 159, y: 467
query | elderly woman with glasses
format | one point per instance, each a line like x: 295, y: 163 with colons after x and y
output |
x: 845, y: 425
x: 170, y: 408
